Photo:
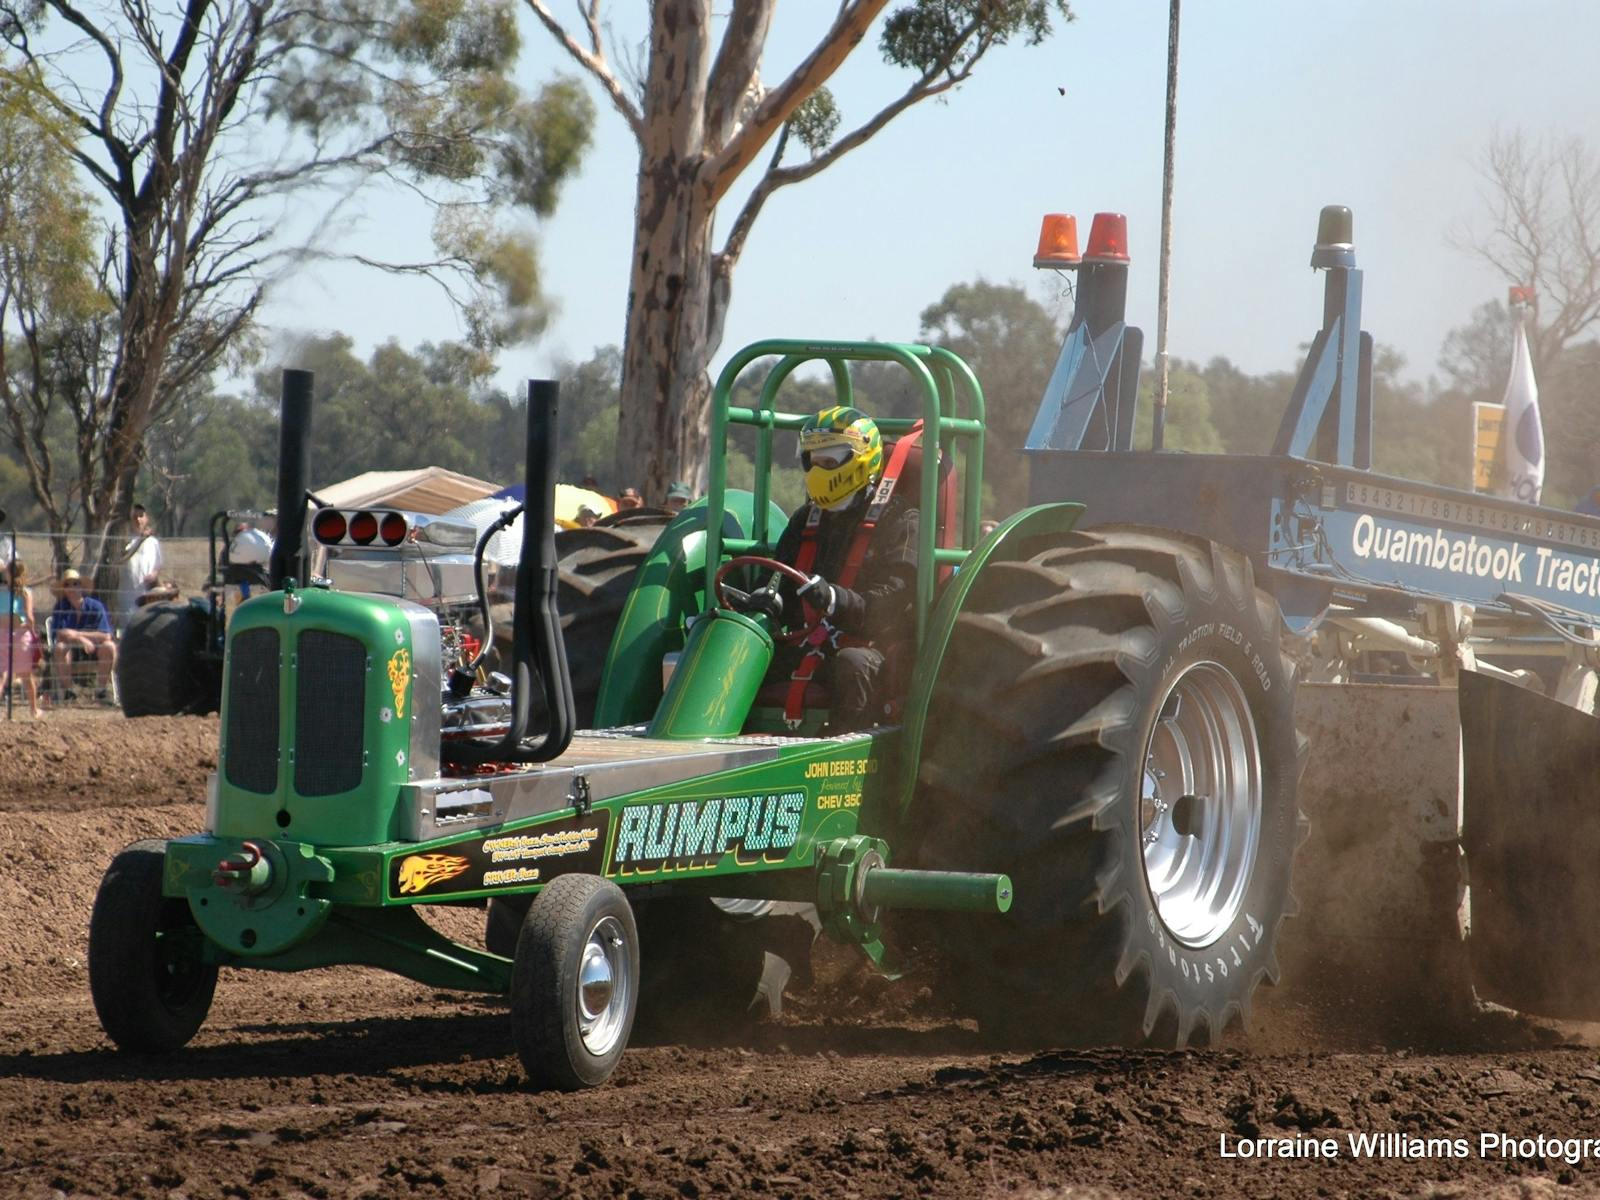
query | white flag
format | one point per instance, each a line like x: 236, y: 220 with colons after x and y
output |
x: 1523, y: 434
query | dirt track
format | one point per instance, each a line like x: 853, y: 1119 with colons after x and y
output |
x: 351, y: 1083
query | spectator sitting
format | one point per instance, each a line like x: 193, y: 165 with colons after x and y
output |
x: 141, y: 568
x: 630, y: 498
x: 678, y: 497
x: 80, y: 625
x: 17, y: 638
x: 587, y: 517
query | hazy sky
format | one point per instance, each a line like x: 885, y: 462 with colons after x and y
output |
x: 1383, y: 105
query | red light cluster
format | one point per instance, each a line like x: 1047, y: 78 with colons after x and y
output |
x: 328, y: 526
x: 331, y: 527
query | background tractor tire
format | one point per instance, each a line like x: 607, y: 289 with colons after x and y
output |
x: 1113, y: 726
x: 150, y: 988
x: 595, y: 574
x: 160, y: 667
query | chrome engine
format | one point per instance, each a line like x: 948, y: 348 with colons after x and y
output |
x: 427, y: 560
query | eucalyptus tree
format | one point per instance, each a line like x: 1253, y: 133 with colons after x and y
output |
x: 203, y: 129
x: 702, y: 118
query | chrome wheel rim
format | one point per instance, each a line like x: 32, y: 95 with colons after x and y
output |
x: 605, y: 987
x: 1200, y: 802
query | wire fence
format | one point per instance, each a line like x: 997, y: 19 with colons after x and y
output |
x: 185, y: 562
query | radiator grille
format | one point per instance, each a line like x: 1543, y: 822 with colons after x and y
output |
x: 253, y: 711
x: 330, y: 706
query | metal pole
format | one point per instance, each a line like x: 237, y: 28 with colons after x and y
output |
x: 1159, y: 421
x: 294, y: 465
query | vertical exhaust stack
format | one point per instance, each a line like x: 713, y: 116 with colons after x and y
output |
x: 538, y: 650
x: 294, y: 465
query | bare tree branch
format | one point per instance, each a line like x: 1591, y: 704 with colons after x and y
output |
x: 1543, y: 230
x: 778, y: 177
x: 592, y: 60
x: 779, y: 104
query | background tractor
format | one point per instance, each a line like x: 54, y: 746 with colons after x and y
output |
x: 1106, y: 715
x: 169, y: 659
x: 1446, y: 643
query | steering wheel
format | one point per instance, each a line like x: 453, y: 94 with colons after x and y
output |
x: 730, y: 597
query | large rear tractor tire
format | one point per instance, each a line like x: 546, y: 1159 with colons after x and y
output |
x: 151, y: 989
x: 595, y: 570
x: 160, y: 662
x: 1113, y: 726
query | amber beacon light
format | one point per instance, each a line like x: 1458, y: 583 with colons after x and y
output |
x: 1058, y: 242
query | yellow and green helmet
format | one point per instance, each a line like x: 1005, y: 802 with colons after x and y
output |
x: 841, y: 452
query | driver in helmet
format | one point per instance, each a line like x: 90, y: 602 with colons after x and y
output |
x: 861, y: 557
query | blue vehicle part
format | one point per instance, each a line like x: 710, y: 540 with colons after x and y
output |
x: 1316, y: 521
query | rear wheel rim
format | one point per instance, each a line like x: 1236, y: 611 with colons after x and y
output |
x: 604, y: 987
x: 1200, y: 804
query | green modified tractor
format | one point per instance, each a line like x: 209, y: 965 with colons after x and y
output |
x: 1104, y: 718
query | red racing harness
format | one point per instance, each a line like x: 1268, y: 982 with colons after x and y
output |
x: 824, y: 636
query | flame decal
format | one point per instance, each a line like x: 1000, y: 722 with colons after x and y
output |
x: 421, y: 871
x: 400, y: 679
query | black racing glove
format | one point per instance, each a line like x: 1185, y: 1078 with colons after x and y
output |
x: 818, y: 592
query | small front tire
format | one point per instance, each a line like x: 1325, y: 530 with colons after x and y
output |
x: 575, y: 983
x: 151, y: 988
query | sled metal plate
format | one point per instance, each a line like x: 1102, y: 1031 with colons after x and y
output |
x: 1378, y: 939
x: 1532, y: 840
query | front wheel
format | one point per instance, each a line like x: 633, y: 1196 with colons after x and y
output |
x: 1113, y: 725
x: 151, y: 987
x: 575, y: 982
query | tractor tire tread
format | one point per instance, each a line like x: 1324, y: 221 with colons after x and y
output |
x: 129, y: 908
x: 543, y: 989
x: 1028, y: 770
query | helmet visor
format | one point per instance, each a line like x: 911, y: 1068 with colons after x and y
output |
x: 829, y: 458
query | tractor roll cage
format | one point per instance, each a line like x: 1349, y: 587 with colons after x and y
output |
x: 941, y: 375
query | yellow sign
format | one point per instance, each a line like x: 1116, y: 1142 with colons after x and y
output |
x: 1487, y: 422
x: 400, y: 680
x: 421, y: 871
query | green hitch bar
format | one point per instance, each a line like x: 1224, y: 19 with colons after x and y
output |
x: 943, y: 891
x: 855, y: 885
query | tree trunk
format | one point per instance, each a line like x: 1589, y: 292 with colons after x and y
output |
x: 674, y: 316
x: 666, y: 392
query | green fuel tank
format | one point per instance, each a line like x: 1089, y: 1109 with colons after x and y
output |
x: 724, y: 661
